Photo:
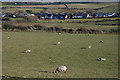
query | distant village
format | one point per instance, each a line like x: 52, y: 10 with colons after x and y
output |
x: 62, y: 16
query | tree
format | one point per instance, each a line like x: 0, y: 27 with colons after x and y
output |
x: 29, y: 11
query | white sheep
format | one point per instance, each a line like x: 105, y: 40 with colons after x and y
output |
x: 28, y: 51
x: 89, y: 46
x: 8, y: 37
x: 58, y: 43
x: 61, y: 68
x: 101, y: 59
x: 59, y: 33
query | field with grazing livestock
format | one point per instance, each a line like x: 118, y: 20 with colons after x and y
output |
x: 46, y: 55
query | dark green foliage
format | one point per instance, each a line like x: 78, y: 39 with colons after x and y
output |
x: 20, y: 11
x: 113, y: 31
x: 29, y: 11
x: 5, y: 19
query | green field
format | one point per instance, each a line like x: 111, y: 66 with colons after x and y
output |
x: 102, y: 7
x: 46, y: 55
x: 91, y: 5
x: 12, y: 10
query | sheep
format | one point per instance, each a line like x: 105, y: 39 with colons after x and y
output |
x: 8, y: 37
x: 61, y: 68
x: 58, y: 43
x: 59, y: 33
x: 28, y: 51
x: 101, y: 59
x: 89, y: 46
x: 101, y: 41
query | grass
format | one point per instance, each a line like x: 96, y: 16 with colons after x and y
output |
x: 14, y: 19
x: 46, y: 56
x: 106, y: 8
x: 45, y: 6
x: 110, y: 9
x: 12, y: 10
x: 90, y: 5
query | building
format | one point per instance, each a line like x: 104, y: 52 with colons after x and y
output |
x: 105, y: 15
x: 55, y: 16
x: 80, y: 15
x: 62, y: 16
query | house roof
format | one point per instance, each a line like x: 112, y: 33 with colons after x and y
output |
x: 80, y: 14
x: 105, y: 14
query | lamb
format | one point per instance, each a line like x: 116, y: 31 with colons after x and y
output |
x: 8, y: 37
x: 89, y: 46
x: 28, y: 51
x: 58, y: 43
x: 101, y: 59
x: 61, y: 68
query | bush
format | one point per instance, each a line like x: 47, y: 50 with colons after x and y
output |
x: 7, y: 25
x: 6, y: 19
x: 20, y: 11
x: 29, y: 11
x: 113, y: 31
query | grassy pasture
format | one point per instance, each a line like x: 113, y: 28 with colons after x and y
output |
x: 90, y: 5
x: 45, y: 6
x: 110, y: 9
x: 46, y: 55
x: 106, y: 8
x: 12, y: 10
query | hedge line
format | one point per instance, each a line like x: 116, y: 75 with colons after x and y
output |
x: 10, y: 27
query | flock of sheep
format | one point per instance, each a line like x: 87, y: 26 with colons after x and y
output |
x: 64, y: 68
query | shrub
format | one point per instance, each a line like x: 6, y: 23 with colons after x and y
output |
x: 113, y: 31
x: 7, y: 25
x: 6, y: 19
x: 29, y: 11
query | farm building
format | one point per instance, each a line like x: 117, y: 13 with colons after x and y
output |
x: 55, y: 16
x: 49, y: 16
x: 106, y: 15
x: 62, y: 16
x: 43, y: 16
x: 24, y: 14
x: 80, y: 15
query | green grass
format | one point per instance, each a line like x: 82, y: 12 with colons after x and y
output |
x: 46, y: 56
x: 90, y: 5
x: 110, y: 9
x: 14, y: 19
x: 108, y: 22
x: 106, y: 8
x: 12, y: 10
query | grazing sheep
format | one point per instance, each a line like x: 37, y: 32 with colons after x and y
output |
x: 28, y: 51
x: 101, y: 41
x: 101, y: 59
x: 58, y: 43
x: 61, y: 68
x: 89, y: 46
x: 8, y: 37
x: 59, y: 33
